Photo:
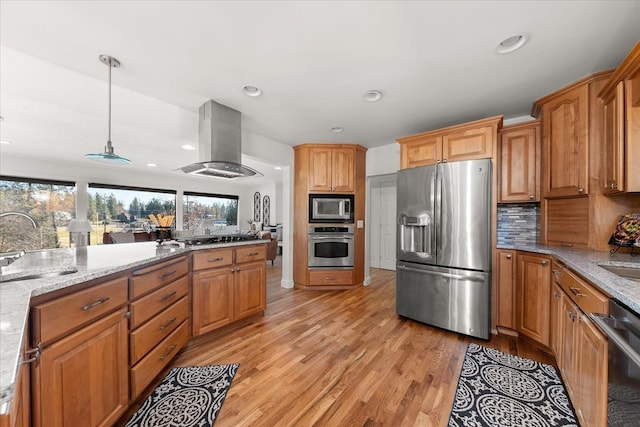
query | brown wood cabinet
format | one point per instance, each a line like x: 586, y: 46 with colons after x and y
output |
x: 327, y: 168
x: 565, y: 149
x: 331, y: 169
x: 533, y: 294
x: 520, y: 163
x: 83, y: 378
x: 582, y: 348
x: 567, y: 222
x: 621, y: 123
x: 468, y: 141
x: 158, y: 319
x: 505, y: 300
x: 233, y: 289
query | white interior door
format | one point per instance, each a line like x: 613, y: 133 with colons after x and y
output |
x: 383, y: 222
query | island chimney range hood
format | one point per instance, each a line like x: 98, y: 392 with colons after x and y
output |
x: 220, y: 139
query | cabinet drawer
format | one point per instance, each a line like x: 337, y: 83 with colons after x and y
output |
x: 151, y: 333
x: 148, y: 279
x: 331, y: 277
x: 58, y: 317
x: 584, y: 295
x: 251, y: 253
x: 212, y: 259
x: 150, y: 366
x: 147, y: 307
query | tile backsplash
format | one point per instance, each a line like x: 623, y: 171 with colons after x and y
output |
x: 518, y: 223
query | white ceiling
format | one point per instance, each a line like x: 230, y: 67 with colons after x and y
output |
x: 435, y: 63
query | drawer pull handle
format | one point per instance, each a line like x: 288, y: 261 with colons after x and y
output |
x: 215, y: 259
x: 168, y: 352
x: 168, y: 296
x: 508, y: 256
x: 167, y: 274
x: 253, y: 254
x: 576, y: 292
x: 330, y: 278
x: 95, y: 304
x: 36, y: 355
x: 569, y: 245
x: 166, y: 325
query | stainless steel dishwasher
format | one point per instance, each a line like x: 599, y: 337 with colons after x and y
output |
x: 622, y: 327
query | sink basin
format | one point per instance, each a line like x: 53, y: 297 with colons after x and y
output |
x: 44, y: 275
x: 630, y: 273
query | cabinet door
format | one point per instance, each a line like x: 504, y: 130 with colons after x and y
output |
x: 567, y: 362
x: 343, y: 170
x: 614, y: 134
x: 250, y: 289
x: 212, y: 299
x: 519, y: 164
x: 591, y: 374
x: 506, y: 301
x: 468, y: 145
x: 82, y: 379
x: 423, y: 151
x: 534, y: 297
x: 320, y: 169
x: 564, y: 144
x: 557, y: 320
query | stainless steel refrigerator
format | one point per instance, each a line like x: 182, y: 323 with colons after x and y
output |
x: 443, y: 269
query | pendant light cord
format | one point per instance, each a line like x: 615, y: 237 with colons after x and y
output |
x: 109, y: 137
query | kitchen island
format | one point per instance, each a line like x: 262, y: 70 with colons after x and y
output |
x: 69, y: 269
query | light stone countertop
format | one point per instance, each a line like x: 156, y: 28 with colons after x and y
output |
x: 91, y: 262
x: 587, y: 264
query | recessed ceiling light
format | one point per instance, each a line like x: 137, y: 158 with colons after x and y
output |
x: 5, y: 142
x: 151, y: 165
x: 278, y: 168
x: 252, y: 91
x: 372, y: 96
x: 512, y: 43
x: 336, y: 129
x: 188, y: 147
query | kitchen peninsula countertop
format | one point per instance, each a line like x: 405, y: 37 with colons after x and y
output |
x: 91, y: 262
x: 587, y: 264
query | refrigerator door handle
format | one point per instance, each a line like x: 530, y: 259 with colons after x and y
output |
x: 436, y: 273
x: 438, y: 210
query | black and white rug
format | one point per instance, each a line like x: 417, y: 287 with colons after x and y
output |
x: 499, y: 389
x: 186, y: 397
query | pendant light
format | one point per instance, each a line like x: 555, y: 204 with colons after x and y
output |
x: 108, y: 156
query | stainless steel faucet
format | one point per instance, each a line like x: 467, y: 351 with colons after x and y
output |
x: 29, y: 217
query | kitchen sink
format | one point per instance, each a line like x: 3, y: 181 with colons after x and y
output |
x: 44, y: 275
x: 631, y: 273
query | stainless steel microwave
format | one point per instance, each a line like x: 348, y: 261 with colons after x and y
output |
x: 331, y: 208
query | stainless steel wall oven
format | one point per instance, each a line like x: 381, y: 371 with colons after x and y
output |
x: 330, y: 247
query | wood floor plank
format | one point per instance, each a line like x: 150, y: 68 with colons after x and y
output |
x: 338, y: 358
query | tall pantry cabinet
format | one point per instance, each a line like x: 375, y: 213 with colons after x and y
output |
x: 328, y: 169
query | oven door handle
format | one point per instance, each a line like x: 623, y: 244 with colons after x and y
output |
x: 603, y: 323
x: 330, y: 237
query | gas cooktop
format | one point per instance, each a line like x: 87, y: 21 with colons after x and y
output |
x: 216, y: 238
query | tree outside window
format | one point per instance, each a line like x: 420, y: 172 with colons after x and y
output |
x: 51, y: 204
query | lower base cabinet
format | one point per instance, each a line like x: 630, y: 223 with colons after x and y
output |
x: 533, y: 296
x: 234, y: 289
x: 83, y: 379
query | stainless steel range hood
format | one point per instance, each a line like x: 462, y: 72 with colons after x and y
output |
x: 220, y: 139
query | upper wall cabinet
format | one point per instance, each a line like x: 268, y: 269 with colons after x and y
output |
x: 565, y: 155
x: 474, y: 140
x: 332, y: 169
x: 621, y: 121
x: 520, y: 163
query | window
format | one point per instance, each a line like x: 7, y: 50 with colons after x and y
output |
x: 50, y: 204
x: 116, y: 208
x: 209, y: 211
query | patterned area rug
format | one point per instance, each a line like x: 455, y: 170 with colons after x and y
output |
x: 186, y: 397
x: 499, y: 389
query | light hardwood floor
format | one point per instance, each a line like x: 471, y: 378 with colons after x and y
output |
x: 338, y: 358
